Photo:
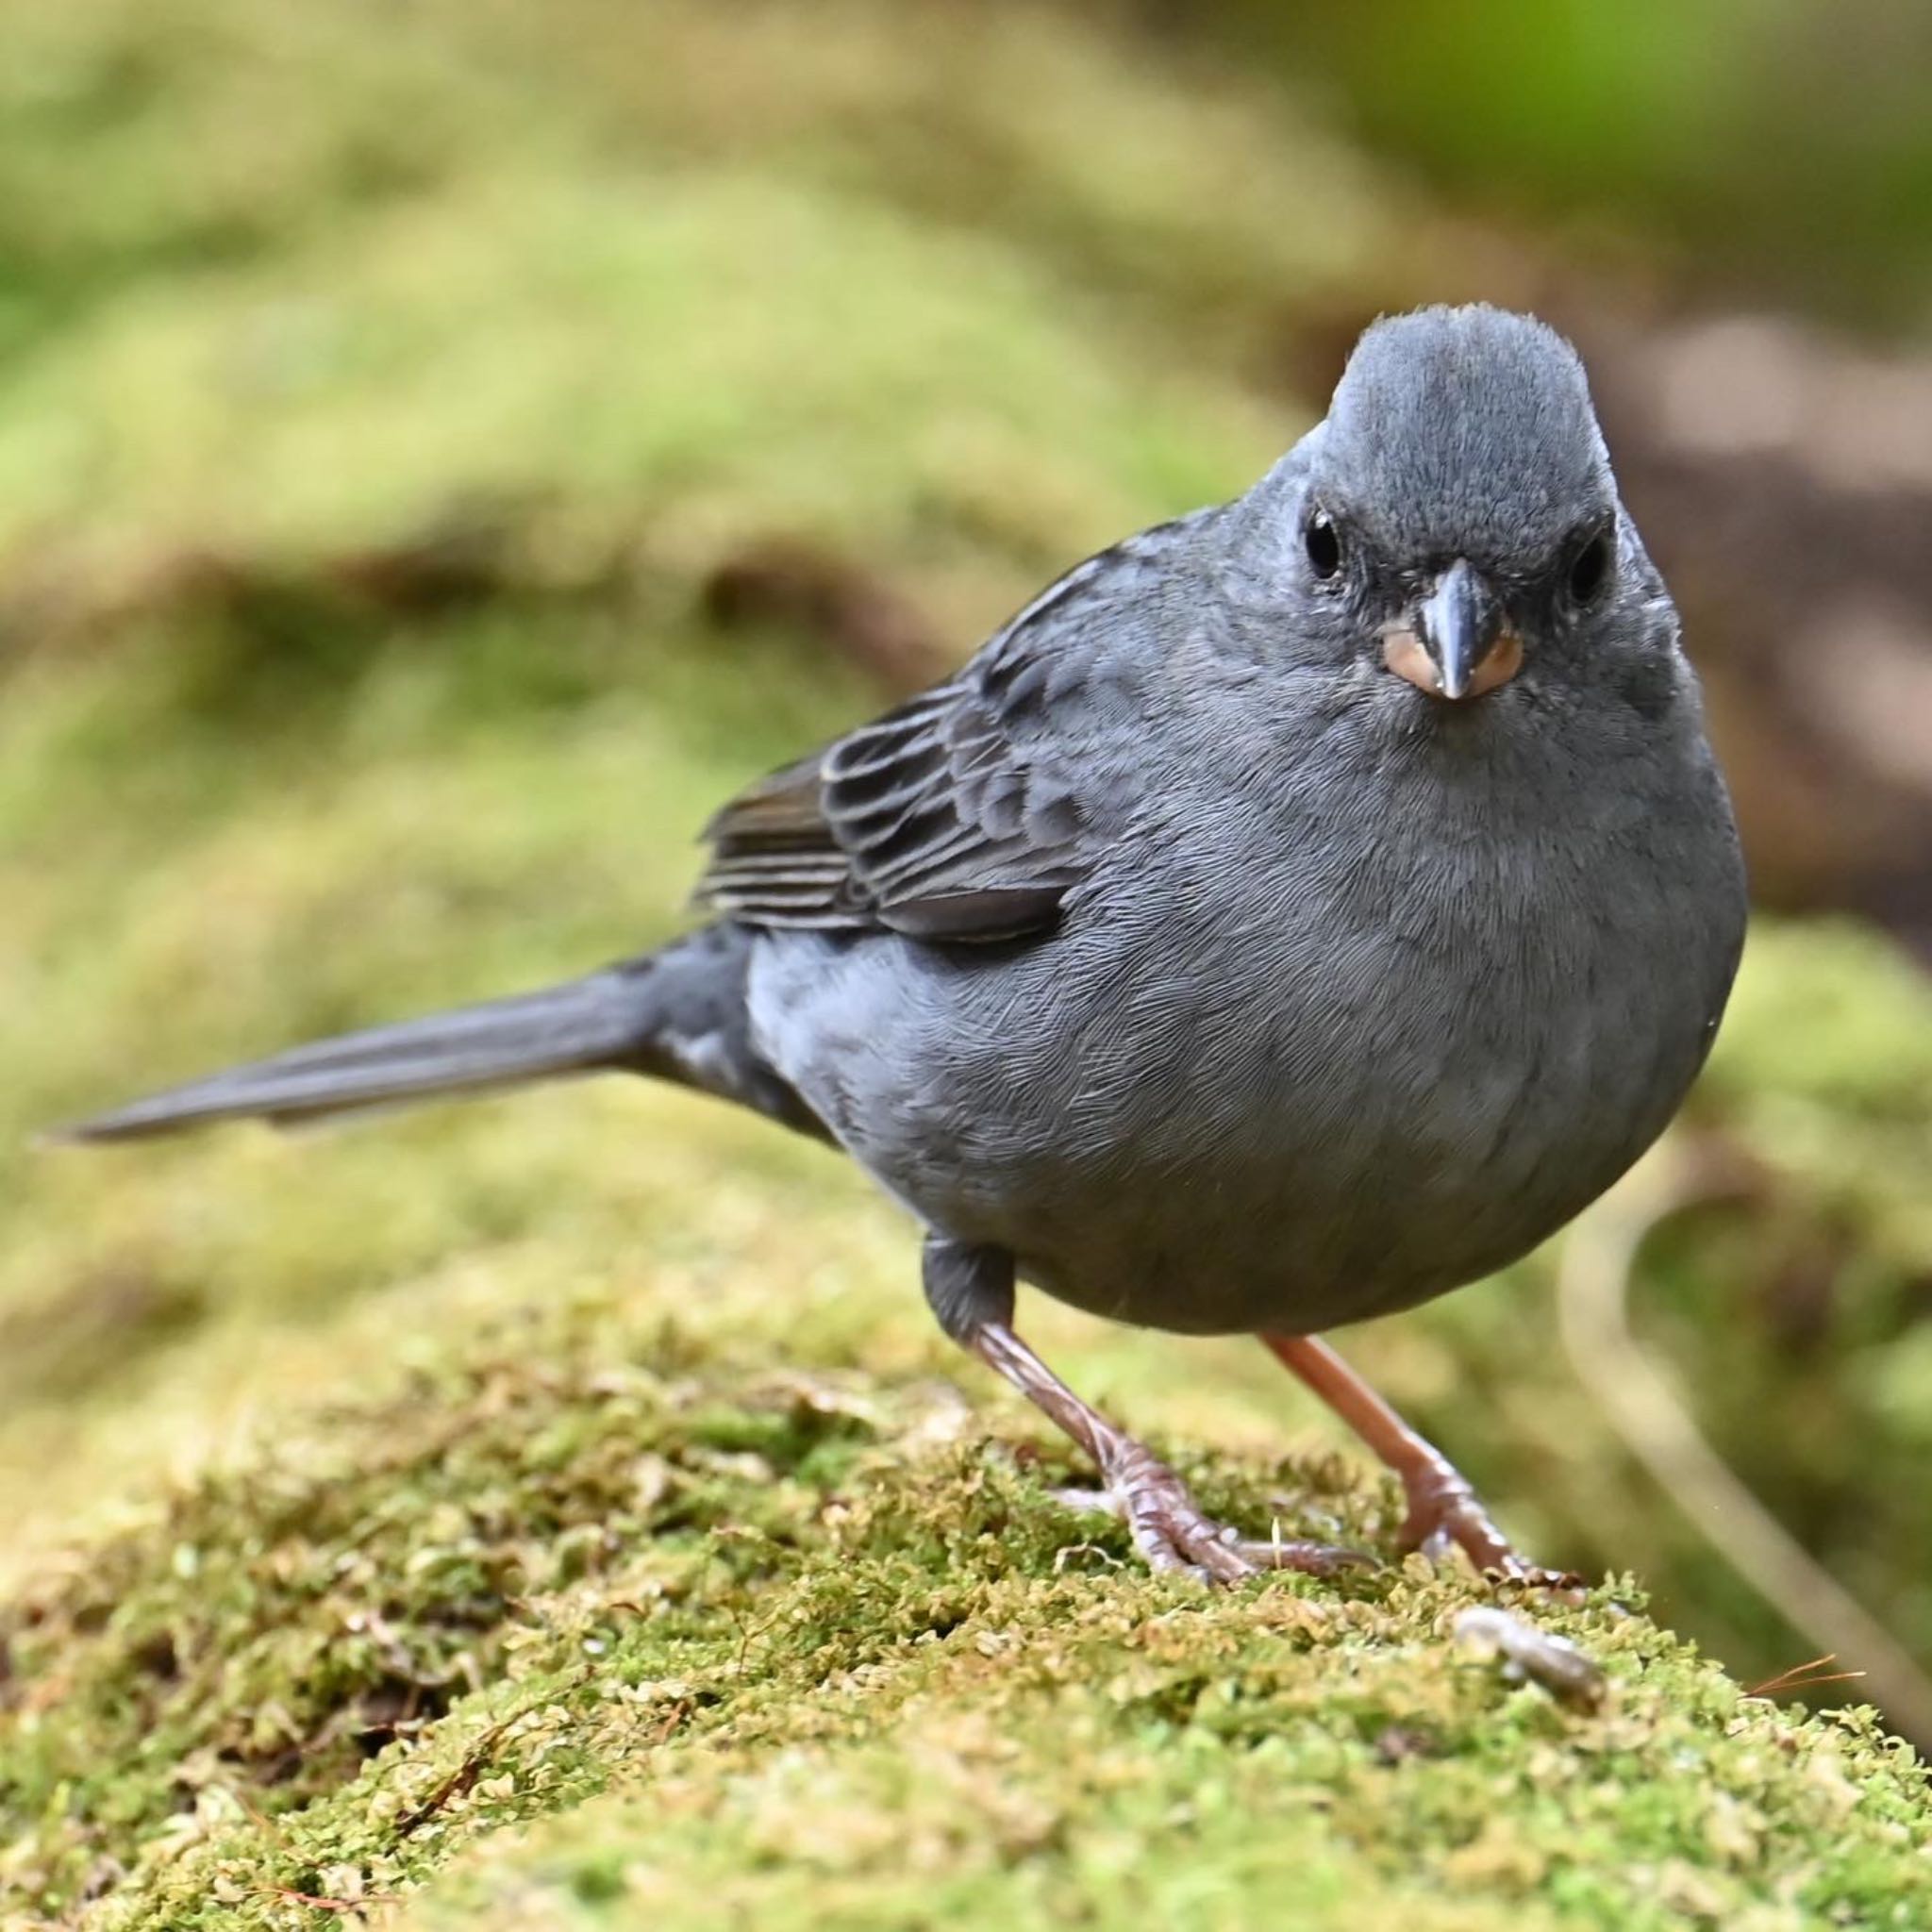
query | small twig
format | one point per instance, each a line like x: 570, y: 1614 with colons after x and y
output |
x: 1805, y: 1676
x: 459, y: 1781
x: 1566, y: 1673
x: 260, y: 1820
x: 470, y: 1769
x: 1067, y: 1552
x: 679, y: 1714
x: 328, y: 1905
x: 747, y: 1634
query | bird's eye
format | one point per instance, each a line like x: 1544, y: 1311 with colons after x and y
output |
x: 1589, y: 568
x: 1325, y: 545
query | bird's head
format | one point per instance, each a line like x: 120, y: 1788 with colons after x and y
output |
x: 1453, y: 525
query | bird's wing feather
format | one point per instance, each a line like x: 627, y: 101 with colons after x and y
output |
x: 960, y: 814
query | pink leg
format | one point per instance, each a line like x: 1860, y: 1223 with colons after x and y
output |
x: 1169, y: 1527
x: 971, y: 1290
x: 1442, y: 1508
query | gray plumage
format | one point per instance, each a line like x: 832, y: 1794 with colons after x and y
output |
x: 1177, y: 948
x: 678, y: 1015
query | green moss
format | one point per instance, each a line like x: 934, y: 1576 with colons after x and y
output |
x: 789, y: 1646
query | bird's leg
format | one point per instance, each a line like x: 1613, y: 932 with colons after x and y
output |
x: 971, y: 1290
x: 1442, y: 1508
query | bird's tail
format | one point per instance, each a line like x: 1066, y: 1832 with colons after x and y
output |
x: 678, y: 1014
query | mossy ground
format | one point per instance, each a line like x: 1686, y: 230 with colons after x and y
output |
x: 594, y: 1618
x: 565, y: 1502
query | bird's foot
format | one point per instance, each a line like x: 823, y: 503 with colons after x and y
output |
x: 1173, y: 1532
x: 1444, y: 1515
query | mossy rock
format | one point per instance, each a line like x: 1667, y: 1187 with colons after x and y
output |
x: 584, y: 1627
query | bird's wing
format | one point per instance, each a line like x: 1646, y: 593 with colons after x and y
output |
x: 961, y: 815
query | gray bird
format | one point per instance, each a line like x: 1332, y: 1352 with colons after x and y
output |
x: 1297, y: 910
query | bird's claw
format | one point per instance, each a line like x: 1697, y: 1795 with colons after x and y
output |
x: 1311, y: 1559
x: 1172, y: 1533
x: 1444, y: 1516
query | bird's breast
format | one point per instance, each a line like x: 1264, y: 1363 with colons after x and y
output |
x: 1329, y: 1090
x: 1267, y: 1081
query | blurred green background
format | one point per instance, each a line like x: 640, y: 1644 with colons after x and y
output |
x: 444, y: 448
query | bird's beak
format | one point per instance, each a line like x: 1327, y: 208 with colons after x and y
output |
x: 1455, y: 642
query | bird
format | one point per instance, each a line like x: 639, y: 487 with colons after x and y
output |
x: 1299, y: 910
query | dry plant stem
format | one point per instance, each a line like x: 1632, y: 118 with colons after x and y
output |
x: 1593, y: 1284
x: 1442, y: 1508
x: 1169, y: 1527
x: 1565, y: 1672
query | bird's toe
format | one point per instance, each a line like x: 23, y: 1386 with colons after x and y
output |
x: 1444, y: 1516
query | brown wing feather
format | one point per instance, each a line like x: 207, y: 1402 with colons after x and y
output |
x: 956, y: 816
x: 921, y: 822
